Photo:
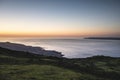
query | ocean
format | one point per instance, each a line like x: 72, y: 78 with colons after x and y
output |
x: 73, y: 47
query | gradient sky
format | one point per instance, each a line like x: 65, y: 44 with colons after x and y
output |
x: 59, y: 18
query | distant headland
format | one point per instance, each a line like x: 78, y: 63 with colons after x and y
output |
x: 103, y: 38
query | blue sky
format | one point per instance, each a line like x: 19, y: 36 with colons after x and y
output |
x: 60, y: 17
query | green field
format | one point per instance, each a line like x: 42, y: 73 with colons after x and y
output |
x: 18, y: 65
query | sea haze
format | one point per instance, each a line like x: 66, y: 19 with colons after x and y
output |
x: 73, y: 47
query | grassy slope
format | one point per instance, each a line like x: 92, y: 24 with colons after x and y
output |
x: 16, y: 65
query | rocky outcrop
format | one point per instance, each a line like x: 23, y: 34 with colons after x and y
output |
x: 30, y: 49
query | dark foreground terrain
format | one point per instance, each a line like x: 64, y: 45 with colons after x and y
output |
x: 18, y: 65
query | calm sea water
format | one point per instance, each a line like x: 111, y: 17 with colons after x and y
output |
x: 74, y: 48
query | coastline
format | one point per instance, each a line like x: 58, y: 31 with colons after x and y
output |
x: 103, y: 38
x: 30, y: 49
x: 28, y: 66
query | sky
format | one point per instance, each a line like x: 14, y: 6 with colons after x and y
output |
x: 34, y: 18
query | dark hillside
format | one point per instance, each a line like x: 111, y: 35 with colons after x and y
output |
x: 18, y: 65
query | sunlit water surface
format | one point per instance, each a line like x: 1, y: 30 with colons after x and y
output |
x: 73, y: 48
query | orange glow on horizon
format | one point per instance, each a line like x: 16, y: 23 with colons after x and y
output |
x: 54, y: 34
